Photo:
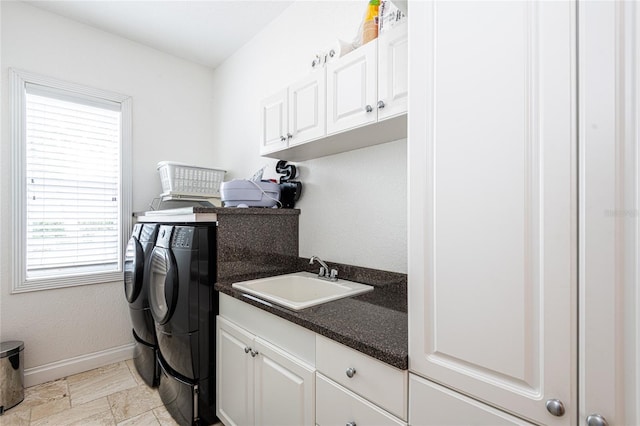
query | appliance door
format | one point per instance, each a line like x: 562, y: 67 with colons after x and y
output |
x: 133, y: 269
x: 163, y: 284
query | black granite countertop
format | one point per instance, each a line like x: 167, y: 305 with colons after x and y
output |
x: 374, y: 323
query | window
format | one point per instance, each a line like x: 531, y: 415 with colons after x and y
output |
x: 71, y: 193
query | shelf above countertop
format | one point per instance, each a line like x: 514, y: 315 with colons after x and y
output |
x: 205, y: 214
x: 388, y: 130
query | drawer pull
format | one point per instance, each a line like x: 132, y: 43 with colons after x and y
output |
x: 350, y: 373
x: 351, y: 424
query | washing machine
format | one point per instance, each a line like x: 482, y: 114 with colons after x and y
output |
x: 136, y: 289
x: 182, y: 272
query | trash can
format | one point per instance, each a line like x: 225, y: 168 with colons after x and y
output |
x: 11, y: 374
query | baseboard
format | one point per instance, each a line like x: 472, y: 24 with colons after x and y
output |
x: 67, y: 367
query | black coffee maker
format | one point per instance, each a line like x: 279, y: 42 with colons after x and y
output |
x: 290, y: 190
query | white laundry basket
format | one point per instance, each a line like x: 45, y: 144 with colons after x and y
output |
x: 180, y: 179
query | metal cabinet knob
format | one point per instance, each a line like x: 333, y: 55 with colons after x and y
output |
x: 351, y: 424
x: 247, y: 349
x: 351, y: 372
x: 380, y: 104
x: 555, y: 407
x: 254, y: 353
x: 289, y: 135
x: 596, y: 420
x: 368, y: 108
x: 282, y: 138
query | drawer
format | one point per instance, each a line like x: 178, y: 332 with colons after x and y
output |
x: 336, y: 405
x: 374, y: 380
x: 434, y: 405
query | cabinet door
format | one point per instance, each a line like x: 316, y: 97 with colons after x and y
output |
x: 339, y: 406
x: 284, y: 388
x: 351, y: 89
x: 273, y: 122
x: 434, y: 405
x: 393, y: 72
x: 492, y: 202
x: 307, y: 111
x: 609, y: 235
x: 234, y: 375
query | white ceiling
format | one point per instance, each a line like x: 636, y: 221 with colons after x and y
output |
x: 202, y: 31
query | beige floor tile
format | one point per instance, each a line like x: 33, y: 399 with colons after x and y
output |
x: 93, y: 412
x: 163, y: 416
x: 15, y: 418
x: 100, y: 382
x: 134, y: 372
x: 43, y: 394
x: 132, y: 402
x: 103, y: 418
x: 50, y: 408
x: 144, y: 419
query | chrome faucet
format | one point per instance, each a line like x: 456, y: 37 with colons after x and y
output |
x: 325, y: 273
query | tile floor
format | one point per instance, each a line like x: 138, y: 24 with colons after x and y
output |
x: 110, y: 395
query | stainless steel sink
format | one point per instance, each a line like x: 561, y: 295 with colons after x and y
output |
x: 301, y: 290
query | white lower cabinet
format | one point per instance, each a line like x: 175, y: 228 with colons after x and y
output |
x: 266, y: 375
x: 259, y: 383
x: 337, y: 405
x: 433, y: 405
x: 284, y: 387
x: 380, y: 383
x: 234, y: 375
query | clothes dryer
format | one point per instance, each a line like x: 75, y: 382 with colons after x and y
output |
x: 182, y: 272
x: 136, y: 289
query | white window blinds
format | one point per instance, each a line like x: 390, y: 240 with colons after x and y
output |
x: 73, y: 183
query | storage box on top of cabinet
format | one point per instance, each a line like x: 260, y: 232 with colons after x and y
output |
x: 186, y: 180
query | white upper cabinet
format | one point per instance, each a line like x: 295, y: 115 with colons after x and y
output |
x: 273, y: 122
x: 393, y: 71
x: 492, y: 203
x: 355, y: 101
x: 294, y: 115
x: 307, y: 108
x: 352, y: 89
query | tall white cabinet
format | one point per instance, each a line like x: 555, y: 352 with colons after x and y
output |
x: 500, y: 241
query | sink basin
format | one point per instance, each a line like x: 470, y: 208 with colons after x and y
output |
x: 300, y: 290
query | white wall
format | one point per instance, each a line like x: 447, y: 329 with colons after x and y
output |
x: 353, y: 204
x: 171, y: 121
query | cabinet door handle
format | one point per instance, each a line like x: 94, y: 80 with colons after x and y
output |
x: 254, y: 353
x: 282, y: 138
x: 555, y: 407
x: 289, y: 135
x: 247, y: 349
x: 351, y: 372
x: 368, y: 108
x: 380, y: 104
x: 351, y: 424
x: 596, y: 420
